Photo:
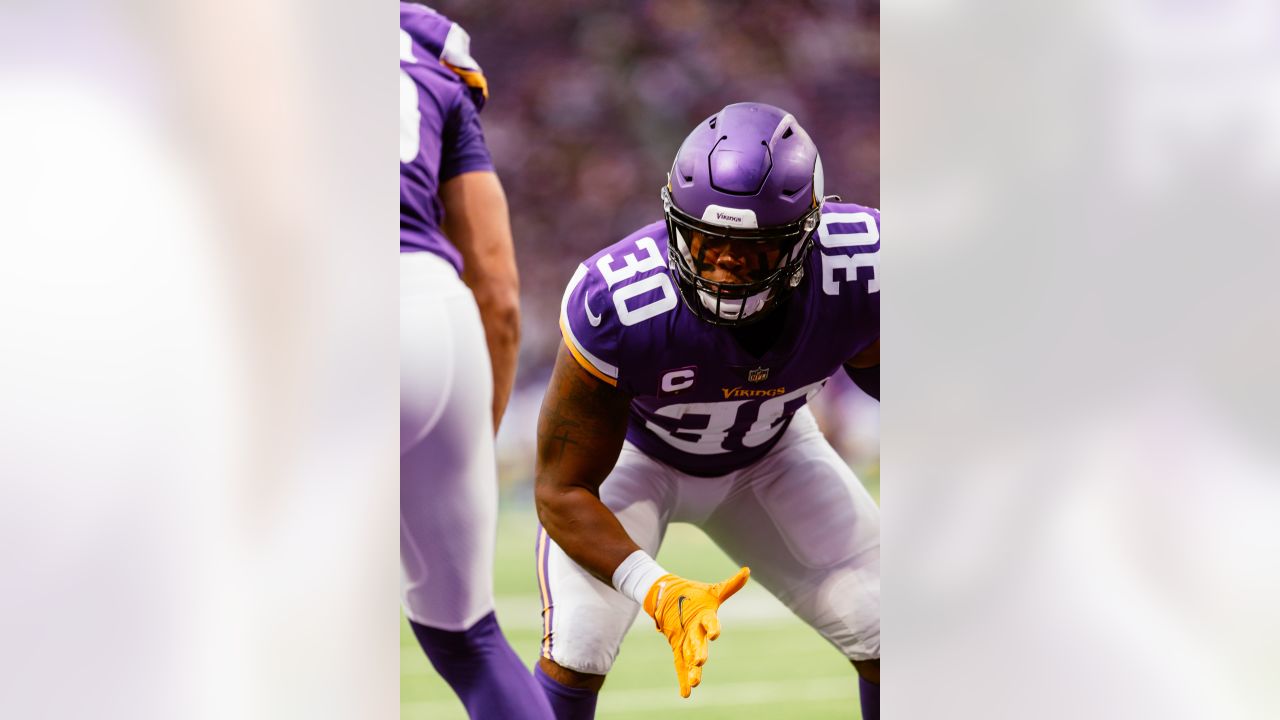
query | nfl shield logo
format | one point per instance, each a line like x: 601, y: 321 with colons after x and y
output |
x: 759, y: 374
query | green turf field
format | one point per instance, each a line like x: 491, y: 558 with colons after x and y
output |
x: 766, y: 664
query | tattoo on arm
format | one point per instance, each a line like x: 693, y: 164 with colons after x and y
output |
x: 580, y: 433
x: 582, y: 418
x: 557, y: 437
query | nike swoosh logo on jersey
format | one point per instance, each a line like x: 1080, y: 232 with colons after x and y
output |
x: 593, y: 319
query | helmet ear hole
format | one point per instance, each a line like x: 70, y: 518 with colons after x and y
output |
x: 788, y: 133
x: 684, y: 169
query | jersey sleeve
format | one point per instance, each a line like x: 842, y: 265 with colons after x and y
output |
x: 463, y: 147
x: 590, y: 325
x: 456, y: 55
x: 848, y: 249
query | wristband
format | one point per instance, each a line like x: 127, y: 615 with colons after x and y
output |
x: 636, y: 575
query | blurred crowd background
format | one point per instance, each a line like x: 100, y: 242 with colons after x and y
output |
x: 589, y: 102
x: 200, y: 359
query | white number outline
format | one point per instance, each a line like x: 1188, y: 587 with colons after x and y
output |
x: 410, y: 115
x: 870, y: 236
x: 849, y: 263
x: 721, y: 416
x: 632, y: 265
x: 770, y: 413
x: 720, y: 419
x: 649, y: 310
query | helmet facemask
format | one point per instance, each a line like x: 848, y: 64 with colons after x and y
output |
x: 771, y: 264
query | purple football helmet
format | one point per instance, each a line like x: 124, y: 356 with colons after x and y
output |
x: 744, y: 192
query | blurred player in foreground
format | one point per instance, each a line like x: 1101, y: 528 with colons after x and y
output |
x: 453, y: 389
x: 691, y: 348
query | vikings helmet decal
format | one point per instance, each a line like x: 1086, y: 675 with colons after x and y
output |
x: 742, y: 202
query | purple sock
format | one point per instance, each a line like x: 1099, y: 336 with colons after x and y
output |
x: 567, y: 702
x: 869, y: 695
x: 484, y: 671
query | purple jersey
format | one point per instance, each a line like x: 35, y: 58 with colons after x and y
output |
x: 702, y: 403
x: 440, y: 134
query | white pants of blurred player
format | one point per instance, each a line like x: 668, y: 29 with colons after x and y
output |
x: 448, y: 475
x: 798, y: 517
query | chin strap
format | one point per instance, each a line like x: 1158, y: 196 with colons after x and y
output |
x: 866, y: 378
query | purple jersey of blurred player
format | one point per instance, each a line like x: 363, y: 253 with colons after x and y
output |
x: 701, y: 402
x: 440, y: 135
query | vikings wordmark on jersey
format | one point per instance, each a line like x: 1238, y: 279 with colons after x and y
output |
x: 702, y: 403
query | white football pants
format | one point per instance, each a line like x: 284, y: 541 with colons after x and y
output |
x: 798, y: 517
x: 448, y: 474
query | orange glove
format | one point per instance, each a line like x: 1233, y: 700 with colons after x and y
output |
x: 685, y: 611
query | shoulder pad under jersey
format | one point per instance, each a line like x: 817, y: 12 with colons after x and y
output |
x: 448, y: 43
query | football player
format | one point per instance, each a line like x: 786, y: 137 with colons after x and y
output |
x: 690, y: 349
x: 459, y: 330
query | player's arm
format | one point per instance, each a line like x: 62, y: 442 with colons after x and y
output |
x: 864, y: 369
x: 580, y: 433
x: 476, y: 222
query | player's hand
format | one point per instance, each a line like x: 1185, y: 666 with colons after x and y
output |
x: 685, y: 611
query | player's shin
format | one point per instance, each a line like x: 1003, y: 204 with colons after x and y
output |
x: 567, y: 703
x: 484, y: 671
x: 869, y: 697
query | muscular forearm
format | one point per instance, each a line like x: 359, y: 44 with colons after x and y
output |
x: 580, y: 433
x: 585, y: 529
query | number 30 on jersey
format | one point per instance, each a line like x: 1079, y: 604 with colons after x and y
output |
x: 632, y: 265
x: 869, y: 236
